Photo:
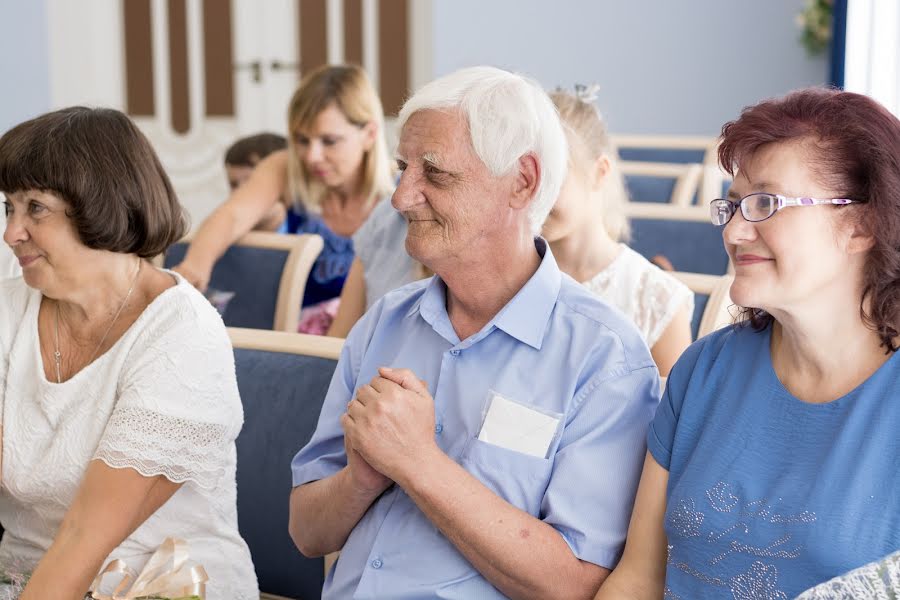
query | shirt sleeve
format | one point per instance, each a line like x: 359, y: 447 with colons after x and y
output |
x: 598, y: 463
x: 661, y: 436
x: 324, y: 454
x: 366, y: 238
x: 177, y: 409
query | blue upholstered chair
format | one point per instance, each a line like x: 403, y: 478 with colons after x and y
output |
x: 700, y: 150
x: 690, y: 245
x: 668, y: 183
x: 664, y: 148
x: 283, y: 379
x: 267, y: 272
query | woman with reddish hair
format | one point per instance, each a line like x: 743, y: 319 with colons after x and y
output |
x: 773, y: 457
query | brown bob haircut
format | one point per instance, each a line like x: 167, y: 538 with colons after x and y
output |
x: 120, y: 198
x: 854, y: 149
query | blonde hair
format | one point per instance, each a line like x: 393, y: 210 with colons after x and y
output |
x: 588, y: 141
x: 348, y: 88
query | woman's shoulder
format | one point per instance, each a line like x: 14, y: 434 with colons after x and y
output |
x: 383, y: 225
x: 721, y: 349
x: 651, y: 277
x: 181, y: 312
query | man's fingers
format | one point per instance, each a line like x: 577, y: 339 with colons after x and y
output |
x: 405, y: 379
x: 366, y: 394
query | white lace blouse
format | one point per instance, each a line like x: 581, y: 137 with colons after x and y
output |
x: 163, y: 401
x: 647, y: 295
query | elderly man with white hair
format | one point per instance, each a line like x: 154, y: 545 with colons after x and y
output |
x: 484, y: 430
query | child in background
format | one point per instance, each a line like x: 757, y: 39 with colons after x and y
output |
x: 240, y: 159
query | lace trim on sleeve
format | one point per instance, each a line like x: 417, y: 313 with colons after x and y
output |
x: 880, y: 579
x: 153, y: 444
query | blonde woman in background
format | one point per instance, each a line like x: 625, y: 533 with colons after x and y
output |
x: 334, y: 171
x: 587, y: 228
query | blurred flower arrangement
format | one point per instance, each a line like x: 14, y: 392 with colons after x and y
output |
x: 12, y: 584
x: 814, y: 22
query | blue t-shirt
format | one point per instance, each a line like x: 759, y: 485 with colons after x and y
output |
x: 769, y: 495
x: 331, y: 267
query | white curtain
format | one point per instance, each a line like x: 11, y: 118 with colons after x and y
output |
x: 872, y: 61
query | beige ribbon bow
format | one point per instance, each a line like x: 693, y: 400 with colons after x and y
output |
x: 168, y: 574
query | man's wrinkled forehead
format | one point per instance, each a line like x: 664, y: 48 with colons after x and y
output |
x: 433, y: 134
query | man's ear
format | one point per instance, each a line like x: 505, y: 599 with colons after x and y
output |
x: 527, y: 181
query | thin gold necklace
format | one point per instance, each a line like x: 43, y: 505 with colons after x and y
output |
x: 57, y: 356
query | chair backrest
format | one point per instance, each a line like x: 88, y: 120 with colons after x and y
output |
x: 283, y: 379
x: 267, y: 272
x: 676, y: 184
x: 701, y: 150
x: 712, y: 304
x: 683, y: 234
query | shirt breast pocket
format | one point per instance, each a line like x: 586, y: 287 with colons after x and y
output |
x: 518, y: 478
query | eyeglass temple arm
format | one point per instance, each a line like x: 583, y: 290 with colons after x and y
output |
x: 785, y: 201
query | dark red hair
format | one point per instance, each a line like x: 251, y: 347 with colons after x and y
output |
x: 854, y: 145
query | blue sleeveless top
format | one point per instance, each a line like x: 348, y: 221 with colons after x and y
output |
x: 331, y: 267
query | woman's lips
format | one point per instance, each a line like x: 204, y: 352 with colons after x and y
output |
x: 24, y: 261
x: 750, y: 259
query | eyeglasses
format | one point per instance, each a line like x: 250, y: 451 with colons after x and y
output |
x: 760, y: 206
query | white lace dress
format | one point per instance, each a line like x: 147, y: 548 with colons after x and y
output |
x: 647, y: 295
x: 163, y: 401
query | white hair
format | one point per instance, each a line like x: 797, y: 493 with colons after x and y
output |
x: 508, y: 116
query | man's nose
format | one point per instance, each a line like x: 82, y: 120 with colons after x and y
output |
x: 407, y: 194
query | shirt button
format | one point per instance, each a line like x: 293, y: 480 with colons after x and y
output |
x: 376, y: 564
x: 454, y: 352
x: 438, y: 428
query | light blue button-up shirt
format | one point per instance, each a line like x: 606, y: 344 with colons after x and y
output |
x: 555, y: 347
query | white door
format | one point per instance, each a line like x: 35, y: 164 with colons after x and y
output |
x: 135, y: 56
x: 89, y: 66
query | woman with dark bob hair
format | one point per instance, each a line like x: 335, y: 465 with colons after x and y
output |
x: 119, y: 401
x: 774, y: 455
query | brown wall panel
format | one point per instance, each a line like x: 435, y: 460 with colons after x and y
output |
x: 393, y: 53
x: 178, y: 66
x: 138, y: 58
x: 313, y: 34
x: 217, y: 58
x: 353, y: 47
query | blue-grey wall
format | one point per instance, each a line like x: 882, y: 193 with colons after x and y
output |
x: 665, y: 66
x: 24, y: 61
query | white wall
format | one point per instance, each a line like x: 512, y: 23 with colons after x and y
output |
x: 24, y: 62
x: 665, y: 66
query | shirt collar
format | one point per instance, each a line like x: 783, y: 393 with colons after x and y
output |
x: 525, y: 317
